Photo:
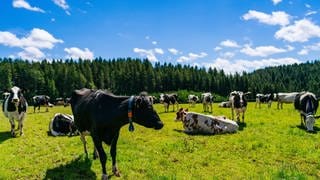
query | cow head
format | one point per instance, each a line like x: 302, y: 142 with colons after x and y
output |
x: 144, y: 114
x: 310, y: 119
x: 239, y: 98
x: 161, y: 98
x: 181, y: 114
x: 15, y: 95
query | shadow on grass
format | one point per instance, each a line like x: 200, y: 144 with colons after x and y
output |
x: 242, y: 125
x: 79, y: 168
x: 315, y: 129
x: 4, y: 136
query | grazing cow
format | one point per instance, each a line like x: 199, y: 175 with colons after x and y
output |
x: 62, y: 124
x: 102, y: 114
x: 192, y: 99
x: 168, y: 99
x: 264, y: 98
x: 205, y: 124
x: 307, y: 104
x: 207, y: 100
x: 238, y: 103
x: 15, y: 108
x: 40, y: 100
x: 285, y: 98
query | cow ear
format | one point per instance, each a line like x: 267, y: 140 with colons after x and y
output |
x: 317, y: 117
x: 186, y: 110
x: 247, y: 93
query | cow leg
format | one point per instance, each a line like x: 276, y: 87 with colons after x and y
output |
x: 102, y: 155
x: 113, y: 153
x: 232, y: 115
x: 47, y: 109
x: 20, y: 125
x: 12, y: 127
x: 83, y: 139
x: 211, y: 108
x: 243, y: 117
x: 34, y: 109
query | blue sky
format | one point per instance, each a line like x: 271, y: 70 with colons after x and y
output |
x: 233, y: 35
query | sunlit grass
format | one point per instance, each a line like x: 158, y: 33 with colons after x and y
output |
x: 271, y: 146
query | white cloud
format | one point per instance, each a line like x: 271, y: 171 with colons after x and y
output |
x: 154, y: 42
x: 307, y: 49
x: 38, y: 38
x: 309, y: 13
x: 173, y: 51
x: 63, y: 4
x: 24, y: 4
x: 227, y: 55
x: 262, y: 51
x: 31, y: 53
x: 276, y: 18
x: 275, y: 2
x: 76, y: 53
x: 229, y: 43
x: 308, y: 6
x: 246, y: 65
x: 149, y: 53
x: 300, y: 31
x: 218, y: 48
x: 191, y: 57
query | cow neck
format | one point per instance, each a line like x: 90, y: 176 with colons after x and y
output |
x: 130, y: 114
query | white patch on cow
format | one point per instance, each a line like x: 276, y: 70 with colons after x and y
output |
x: 285, y: 98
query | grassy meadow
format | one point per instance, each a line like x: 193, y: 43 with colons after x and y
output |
x: 270, y: 145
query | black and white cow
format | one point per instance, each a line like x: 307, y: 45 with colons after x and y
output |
x: 15, y: 108
x: 307, y: 104
x: 102, y: 114
x: 264, y: 98
x: 168, y: 99
x: 40, y: 100
x: 62, y: 124
x: 192, y: 99
x: 285, y: 98
x: 207, y: 100
x: 238, y: 103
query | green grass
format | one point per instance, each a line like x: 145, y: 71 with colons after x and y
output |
x: 270, y: 146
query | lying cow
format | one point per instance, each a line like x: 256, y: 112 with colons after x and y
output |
x: 168, y: 99
x: 224, y: 104
x: 62, y: 124
x: 102, y: 114
x: 205, y: 124
x: 307, y: 104
x: 285, y: 98
x: 207, y: 100
x: 15, y: 108
x: 238, y: 103
x: 192, y: 99
x: 40, y: 100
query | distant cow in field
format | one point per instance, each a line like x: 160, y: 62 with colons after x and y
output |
x: 62, y: 124
x: 205, y: 124
x: 307, y: 104
x: 207, y: 100
x: 285, y: 98
x: 225, y: 104
x: 168, y: 99
x: 103, y: 114
x: 192, y: 99
x: 14, y: 108
x: 238, y: 103
x: 152, y: 99
x: 40, y: 100
x: 264, y: 98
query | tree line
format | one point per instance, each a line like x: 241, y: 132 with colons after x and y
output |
x: 127, y: 76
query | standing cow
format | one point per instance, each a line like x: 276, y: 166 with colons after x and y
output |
x: 168, y: 99
x: 207, y: 100
x: 192, y: 99
x: 285, y: 98
x: 238, y: 103
x: 14, y: 108
x: 40, y: 100
x: 103, y: 114
x: 307, y: 104
x: 264, y: 98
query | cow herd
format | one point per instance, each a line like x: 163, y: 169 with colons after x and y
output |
x: 101, y: 114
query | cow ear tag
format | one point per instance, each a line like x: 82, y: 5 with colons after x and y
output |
x: 131, y: 127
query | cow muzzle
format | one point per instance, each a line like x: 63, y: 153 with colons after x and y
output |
x: 310, y: 120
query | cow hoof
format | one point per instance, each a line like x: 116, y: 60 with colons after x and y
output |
x: 104, y: 177
x: 116, y: 172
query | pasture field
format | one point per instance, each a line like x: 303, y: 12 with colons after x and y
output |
x: 270, y: 145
